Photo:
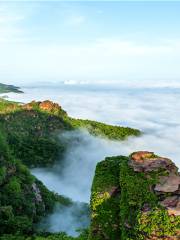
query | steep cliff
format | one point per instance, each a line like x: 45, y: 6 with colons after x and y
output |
x: 29, y: 136
x: 135, y: 197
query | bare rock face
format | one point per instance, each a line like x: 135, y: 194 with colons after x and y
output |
x: 46, y: 105
x: 37, y: 192
x: 172, y: 204
x: 49, y: 106
x: 169, y: 181
x: 168, y: 184
x: 145, y: 161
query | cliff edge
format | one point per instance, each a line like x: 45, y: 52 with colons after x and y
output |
x: 135, y: 197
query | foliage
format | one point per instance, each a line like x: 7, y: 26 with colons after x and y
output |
x: 9, y: 88
x: 29, y: 135
x: 126, y: 206
x: 23, y: 199
x: 105, y: 130
x: 32, y: 132
x: 46, y: 236
x: 105, y: 201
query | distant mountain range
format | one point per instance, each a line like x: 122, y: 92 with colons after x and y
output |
x: 9, y: 88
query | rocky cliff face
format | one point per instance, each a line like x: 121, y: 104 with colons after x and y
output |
x: 136, y: 197
x: 47, y: 106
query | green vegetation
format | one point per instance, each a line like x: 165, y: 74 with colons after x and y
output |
x: 23, y: 199
x: 119, y: 214
x: 105, y: 130
x: 9, y: 88
x: 46, y: 236
x: 105, y: 201
x: 29, y: 136
x: 32, y: 130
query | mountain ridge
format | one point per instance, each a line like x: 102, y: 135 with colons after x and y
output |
x: 132, y: 196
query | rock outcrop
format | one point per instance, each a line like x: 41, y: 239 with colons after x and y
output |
x: 139, y: 199
x: 47, y: 106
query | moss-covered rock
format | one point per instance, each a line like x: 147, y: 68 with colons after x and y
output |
x: 147, y: 198
x: 105, y: 200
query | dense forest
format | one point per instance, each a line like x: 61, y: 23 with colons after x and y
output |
x: 134, y: 197
x: 28, y: 138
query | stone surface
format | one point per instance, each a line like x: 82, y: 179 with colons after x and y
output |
x: 48, y: 105
x: 168, y: 184
x: 44, y: 105
x: 172, y: 204
x: 145, y: 161
x: 37, y: 192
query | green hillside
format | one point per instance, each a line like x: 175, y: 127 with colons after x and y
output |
x: 28, y: 138
x: 9, y: 88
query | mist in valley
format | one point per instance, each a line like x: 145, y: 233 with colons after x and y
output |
x: 155, y: 111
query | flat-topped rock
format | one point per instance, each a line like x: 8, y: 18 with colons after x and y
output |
x: 144, y: 161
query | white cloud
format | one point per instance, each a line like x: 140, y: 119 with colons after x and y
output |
x: 102, y: 59
x: 154, y: 111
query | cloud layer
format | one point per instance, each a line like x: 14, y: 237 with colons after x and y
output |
x: 154, y: 110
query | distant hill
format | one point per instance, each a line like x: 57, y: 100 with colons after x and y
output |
x: 9, y: 88
x: 29, y: 137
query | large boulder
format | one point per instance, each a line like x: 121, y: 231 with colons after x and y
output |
x: 144, y: 161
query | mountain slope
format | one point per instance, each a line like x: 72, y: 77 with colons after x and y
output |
x: 32, y: 130
x: 30, y: 135
x: 23, y: 199
x: 9, y: 88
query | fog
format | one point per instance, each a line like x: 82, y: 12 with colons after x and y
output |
x: 153, y: 110
x: 70, y: 219
x: 73, y: 176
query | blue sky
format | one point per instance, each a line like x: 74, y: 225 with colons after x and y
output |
x: 94, y: 41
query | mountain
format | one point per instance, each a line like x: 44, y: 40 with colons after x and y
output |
x: 29, y: 137
x: 132, y: 198
x: 9, y: 88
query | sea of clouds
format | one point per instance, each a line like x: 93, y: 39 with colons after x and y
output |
x: 154, y: 110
